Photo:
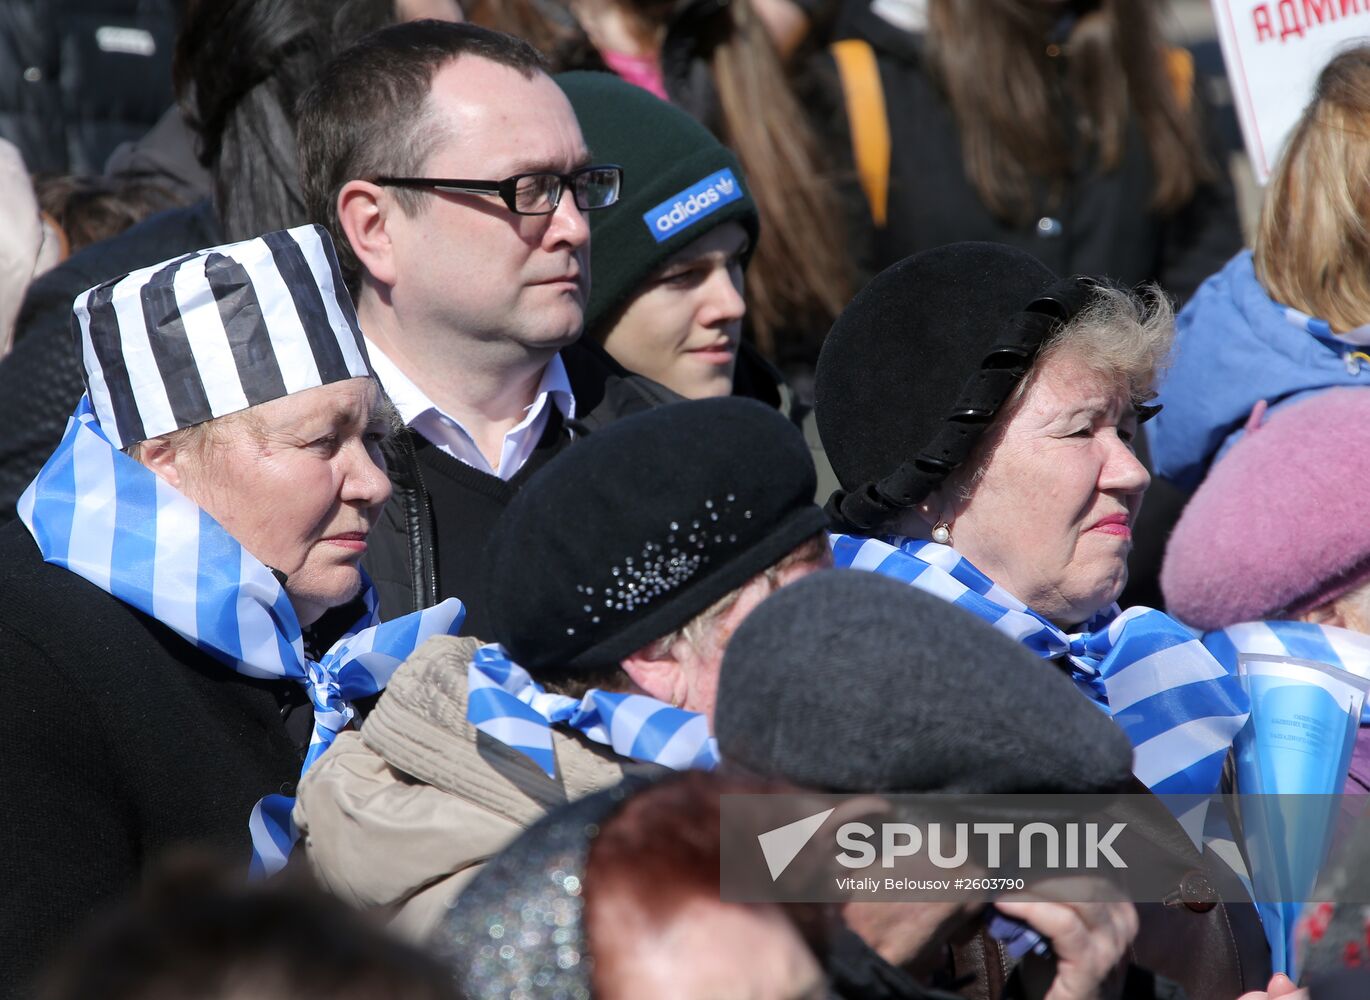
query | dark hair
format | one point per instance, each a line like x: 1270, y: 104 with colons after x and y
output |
x: 89, y: 209
x: 368, y: 114
x: 239, y: 69
x: 994, y: 62
x: 547, y: 24
x: 198, y: 931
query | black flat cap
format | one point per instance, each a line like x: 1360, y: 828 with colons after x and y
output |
x: 627, y: 535
x: 848, y: 681
x: 918, y: 364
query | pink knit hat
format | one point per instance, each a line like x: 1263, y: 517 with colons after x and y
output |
x: 1281, y: 523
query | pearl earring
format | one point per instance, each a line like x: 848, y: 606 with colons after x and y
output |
x: 941, y: 533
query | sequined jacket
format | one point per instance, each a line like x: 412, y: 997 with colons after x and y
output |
x: 402, y: 814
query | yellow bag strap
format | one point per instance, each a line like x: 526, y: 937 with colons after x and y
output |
x: 1179, y: 66
x: 870, y: 129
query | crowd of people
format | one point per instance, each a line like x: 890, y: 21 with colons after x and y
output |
x: 457, y: 444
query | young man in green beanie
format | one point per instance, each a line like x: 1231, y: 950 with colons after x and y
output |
x: 669, y: 260
x: 454, y: 179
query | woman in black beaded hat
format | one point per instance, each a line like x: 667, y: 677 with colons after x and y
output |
x: 617, y: 576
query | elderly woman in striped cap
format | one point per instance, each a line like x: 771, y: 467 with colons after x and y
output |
x: 187, y: 624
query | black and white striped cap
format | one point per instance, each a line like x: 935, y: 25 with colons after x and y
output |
x: 216, y: 331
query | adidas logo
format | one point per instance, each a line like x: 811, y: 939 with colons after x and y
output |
x: 689, y: 206
x: 692, y: 205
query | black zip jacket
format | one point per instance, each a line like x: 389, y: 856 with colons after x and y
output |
x: 429, y: 543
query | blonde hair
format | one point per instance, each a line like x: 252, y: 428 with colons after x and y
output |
x: 1120, y: 334
x: 1313, y: 240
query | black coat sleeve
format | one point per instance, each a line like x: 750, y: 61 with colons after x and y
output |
x: 66, y: 846
x: 40, y: 381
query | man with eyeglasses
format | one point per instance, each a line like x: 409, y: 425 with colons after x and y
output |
x: 453, y: 176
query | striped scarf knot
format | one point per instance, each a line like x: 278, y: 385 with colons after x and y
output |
x: 1178, y: 705
x: 103, y: 516
x: 506, y: 704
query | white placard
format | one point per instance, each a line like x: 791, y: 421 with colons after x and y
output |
x: 1274, y: 51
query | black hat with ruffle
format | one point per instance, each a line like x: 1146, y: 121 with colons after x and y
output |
x: 919, y: 364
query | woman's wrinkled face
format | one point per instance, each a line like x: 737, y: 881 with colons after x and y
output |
x: 299, y: 482
x: 1052, y: 515
x: 683, y: 327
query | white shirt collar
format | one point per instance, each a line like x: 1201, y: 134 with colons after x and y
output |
x: 424, y: 416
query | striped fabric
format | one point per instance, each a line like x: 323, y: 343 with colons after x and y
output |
x: 216, y: 331
x: 506, y: 704
x: 1322, y: 330
x: 103, y: 516
x: 1338, y: 647
x: 1179, y: 706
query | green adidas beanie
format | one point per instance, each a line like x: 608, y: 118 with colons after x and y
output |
x: 679, y: 182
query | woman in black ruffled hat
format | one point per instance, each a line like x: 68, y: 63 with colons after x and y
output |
x: 979, y: 412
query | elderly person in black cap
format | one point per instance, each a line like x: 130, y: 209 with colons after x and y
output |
x: 668, y: 298
x: 853, y: 683
x: 169, y: 654
x: 617, y: 576
x: 980, y: 414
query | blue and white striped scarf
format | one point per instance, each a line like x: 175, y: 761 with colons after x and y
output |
x: 506, y: 704
x: 1178, y: 705
x: 1338, y: 647
x: 106, y: 518
x: 1347, y: 342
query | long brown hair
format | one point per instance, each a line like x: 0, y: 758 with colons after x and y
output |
x: 800, y: 276
x: 1313, y: 240
x: 991, y: 58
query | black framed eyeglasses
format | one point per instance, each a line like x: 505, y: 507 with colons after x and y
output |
x: 534, y: 193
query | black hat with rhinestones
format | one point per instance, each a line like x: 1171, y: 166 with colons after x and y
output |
x: 631, y: 532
